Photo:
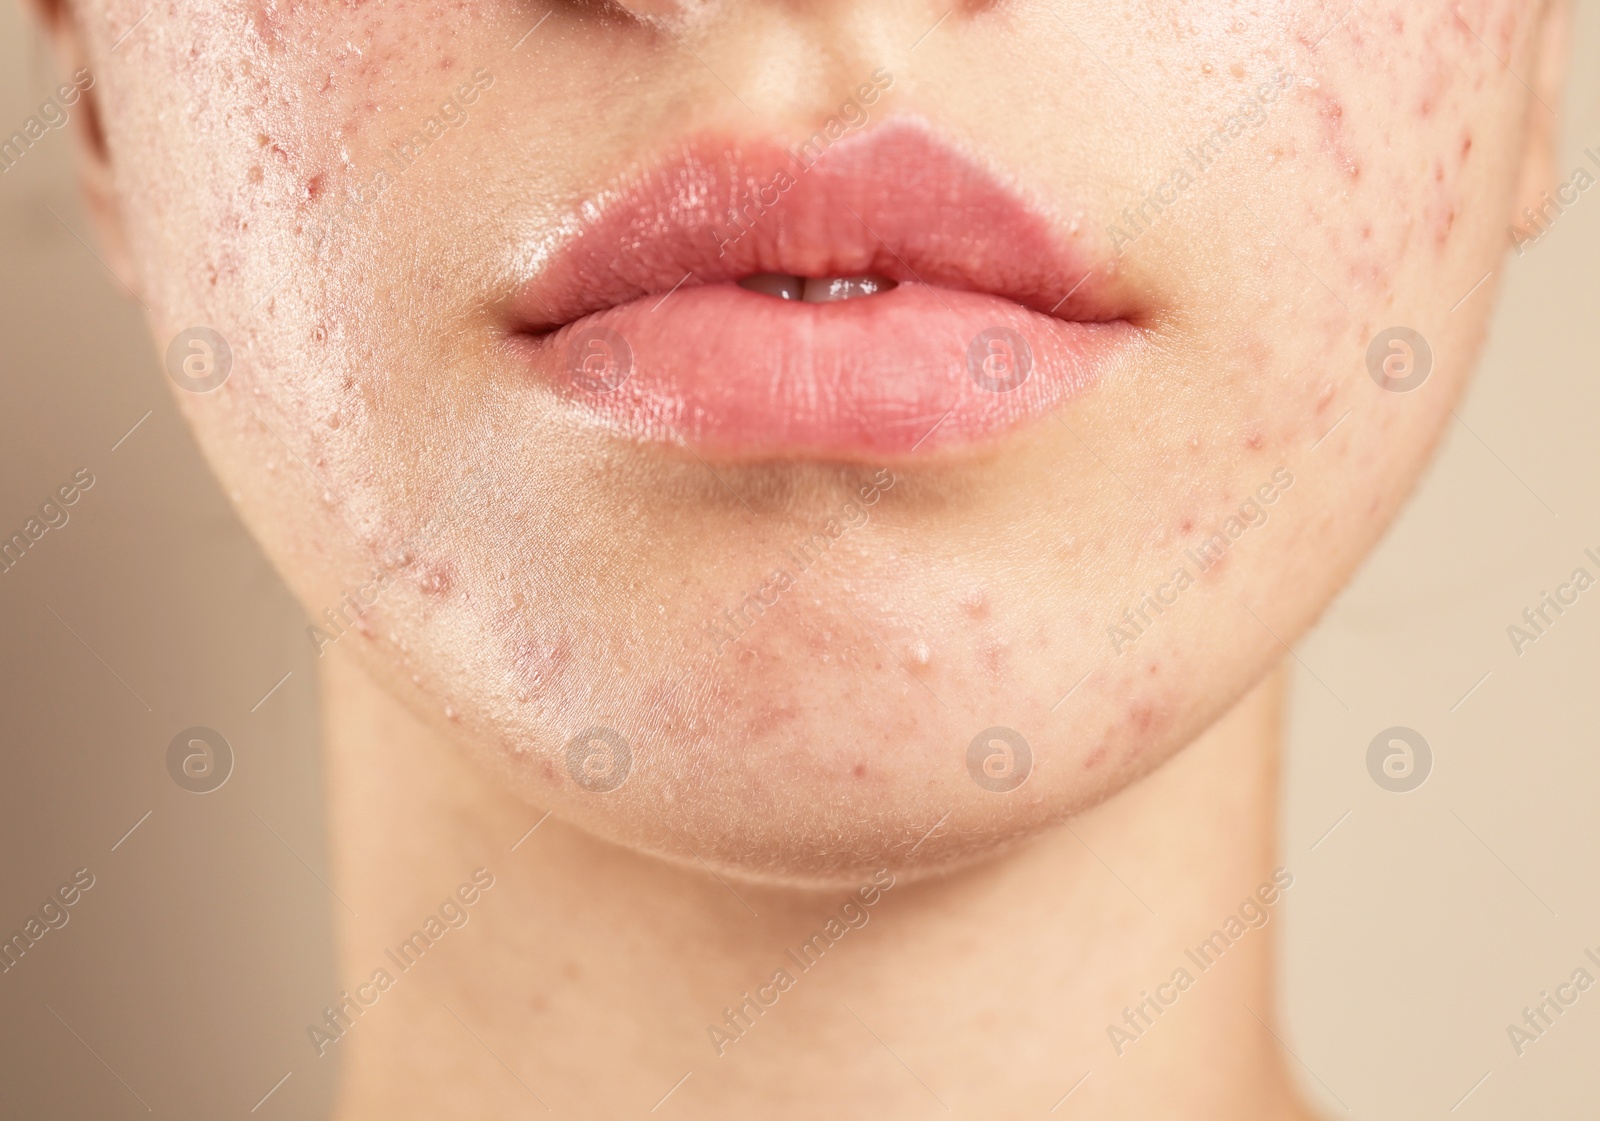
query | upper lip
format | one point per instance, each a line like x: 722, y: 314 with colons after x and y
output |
x: 896, y: 200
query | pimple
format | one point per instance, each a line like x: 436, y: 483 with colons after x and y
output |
x: 975, y: 603
x: 859, y: 770
x: 435, y: 579
x: 1142, y: 715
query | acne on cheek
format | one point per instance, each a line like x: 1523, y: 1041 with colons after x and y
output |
x: 1430, y: 66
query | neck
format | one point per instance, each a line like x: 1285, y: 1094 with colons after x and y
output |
x: 599, y: 981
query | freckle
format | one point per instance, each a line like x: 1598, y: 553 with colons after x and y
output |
x: 518, y: 599
x: 1153, y: 668
x: 255, y: 174
x: 1237, y: 70
x: 334, y: 421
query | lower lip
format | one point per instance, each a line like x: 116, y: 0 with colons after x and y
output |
x: 744, y: 376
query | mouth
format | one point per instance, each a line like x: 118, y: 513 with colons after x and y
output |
x: 882, y: 296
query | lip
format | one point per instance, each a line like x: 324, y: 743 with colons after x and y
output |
x: 998, y: 315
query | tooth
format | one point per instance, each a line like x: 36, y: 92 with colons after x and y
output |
x: 779, y: 284
x: 822, y: 290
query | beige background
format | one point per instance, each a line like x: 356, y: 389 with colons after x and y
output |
x: 1418, y: 928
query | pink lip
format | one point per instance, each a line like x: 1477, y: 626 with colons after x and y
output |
x: 997, y: 318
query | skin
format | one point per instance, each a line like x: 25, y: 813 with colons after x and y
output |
x: 549, y: 578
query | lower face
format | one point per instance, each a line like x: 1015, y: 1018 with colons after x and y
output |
x: 816, y: 634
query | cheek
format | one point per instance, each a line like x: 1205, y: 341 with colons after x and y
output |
x: 1409, y: 124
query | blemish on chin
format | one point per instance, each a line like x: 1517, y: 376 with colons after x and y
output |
x: 975, y: 602
x: 919, y: 654
x: 993, y: 655
x: 435, y: 579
